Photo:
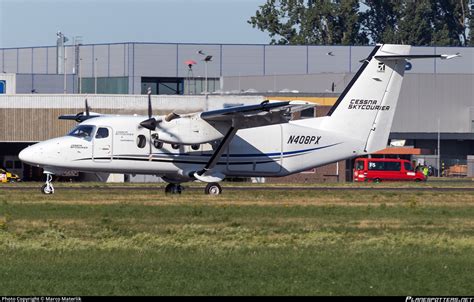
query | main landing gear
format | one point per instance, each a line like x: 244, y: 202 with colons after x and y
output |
x: 48, y: 188
x: 173, y: 189
x: 213, y: 188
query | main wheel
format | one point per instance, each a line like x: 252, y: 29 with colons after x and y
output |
x: 173, y: 189
x: 377, y: 180
x: 213, y: 189
x: 45, y: 189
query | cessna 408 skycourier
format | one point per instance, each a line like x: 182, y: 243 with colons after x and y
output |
x: 248, y: 141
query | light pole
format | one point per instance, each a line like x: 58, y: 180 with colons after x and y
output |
x: 65, y: 79
x: 95, y: 76
x: 80, y: 76
x: 61, y: 56
x: 207, y: 59
x: 439, y: 147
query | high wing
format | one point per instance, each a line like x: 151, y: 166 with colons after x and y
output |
x: 241, y: 117
x: 80, y: 117
x: 263, y: 114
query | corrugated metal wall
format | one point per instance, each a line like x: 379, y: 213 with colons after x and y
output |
x: 31, y: 118
x: 167, y: 60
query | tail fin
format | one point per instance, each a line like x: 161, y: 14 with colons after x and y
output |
x: 366, y: 107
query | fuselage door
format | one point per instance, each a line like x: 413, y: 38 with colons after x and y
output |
x: 103, y: 145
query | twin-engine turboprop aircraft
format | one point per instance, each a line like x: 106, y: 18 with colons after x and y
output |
x: 248, y: 141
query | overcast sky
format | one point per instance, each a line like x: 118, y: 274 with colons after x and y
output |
x: 26, y: 23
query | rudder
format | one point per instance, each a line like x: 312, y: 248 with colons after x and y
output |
x: 365, y: 109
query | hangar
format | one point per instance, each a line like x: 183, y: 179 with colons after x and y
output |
x: 39, y: 83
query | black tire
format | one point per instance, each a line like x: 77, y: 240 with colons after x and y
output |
x: 168, y: 188
x: 173, y: 189
x: 213, y: 188
x: 44, y: 190
x: 377, y: 180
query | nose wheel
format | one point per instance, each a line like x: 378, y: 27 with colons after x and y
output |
x: 48, y: 188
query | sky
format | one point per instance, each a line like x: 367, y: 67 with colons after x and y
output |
x: 25, y: 23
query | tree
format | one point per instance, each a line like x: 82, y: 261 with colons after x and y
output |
x: 380, y: 19
x: 416, y: 25
x: 331, y: 22
x: 471, y: 27
x: 310, y: 22
x: 421, y: 22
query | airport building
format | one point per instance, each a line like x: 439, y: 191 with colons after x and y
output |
x: 435, y: 112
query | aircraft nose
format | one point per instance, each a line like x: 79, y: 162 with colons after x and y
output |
x: 27, y: 155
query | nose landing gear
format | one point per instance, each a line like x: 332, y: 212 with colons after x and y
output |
x: 48, y: 188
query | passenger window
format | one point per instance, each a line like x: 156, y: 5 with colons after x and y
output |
x: 408, y: 167
x: 102, y: 133
x: 141, y: 141
x: 392, y: 166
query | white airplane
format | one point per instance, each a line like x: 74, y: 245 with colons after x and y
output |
x: 247, y: 141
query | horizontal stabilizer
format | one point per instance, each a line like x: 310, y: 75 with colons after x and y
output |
x: 410, y: 57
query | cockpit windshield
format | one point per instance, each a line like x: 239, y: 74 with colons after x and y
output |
x: 83, y: 131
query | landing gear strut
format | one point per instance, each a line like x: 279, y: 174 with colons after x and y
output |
x: 173, y: 189
x: 213, y: 188
x: 48, y: 188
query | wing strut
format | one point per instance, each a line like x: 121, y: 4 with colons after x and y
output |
x: 217, y: 155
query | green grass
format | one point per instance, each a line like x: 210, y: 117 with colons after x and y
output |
x: 116, y: 242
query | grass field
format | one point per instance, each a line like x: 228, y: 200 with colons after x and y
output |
x: 91, y: 241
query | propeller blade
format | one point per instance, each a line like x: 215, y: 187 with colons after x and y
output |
x: 151, y: 122
x: 87, y: 109
x: 150, y: 111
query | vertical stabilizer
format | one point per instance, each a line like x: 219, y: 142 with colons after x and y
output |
x: 365, y: 109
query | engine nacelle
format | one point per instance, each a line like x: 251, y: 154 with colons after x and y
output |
x: 188, y: 131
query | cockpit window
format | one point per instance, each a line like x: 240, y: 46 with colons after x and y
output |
x: 83, y: 131
x: 102, y: 133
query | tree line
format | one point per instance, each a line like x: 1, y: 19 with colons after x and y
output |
x: 353, y: 22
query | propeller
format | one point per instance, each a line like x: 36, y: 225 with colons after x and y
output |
x: 79, y: 117
x: 151, y: 122
x: 87, y: 108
